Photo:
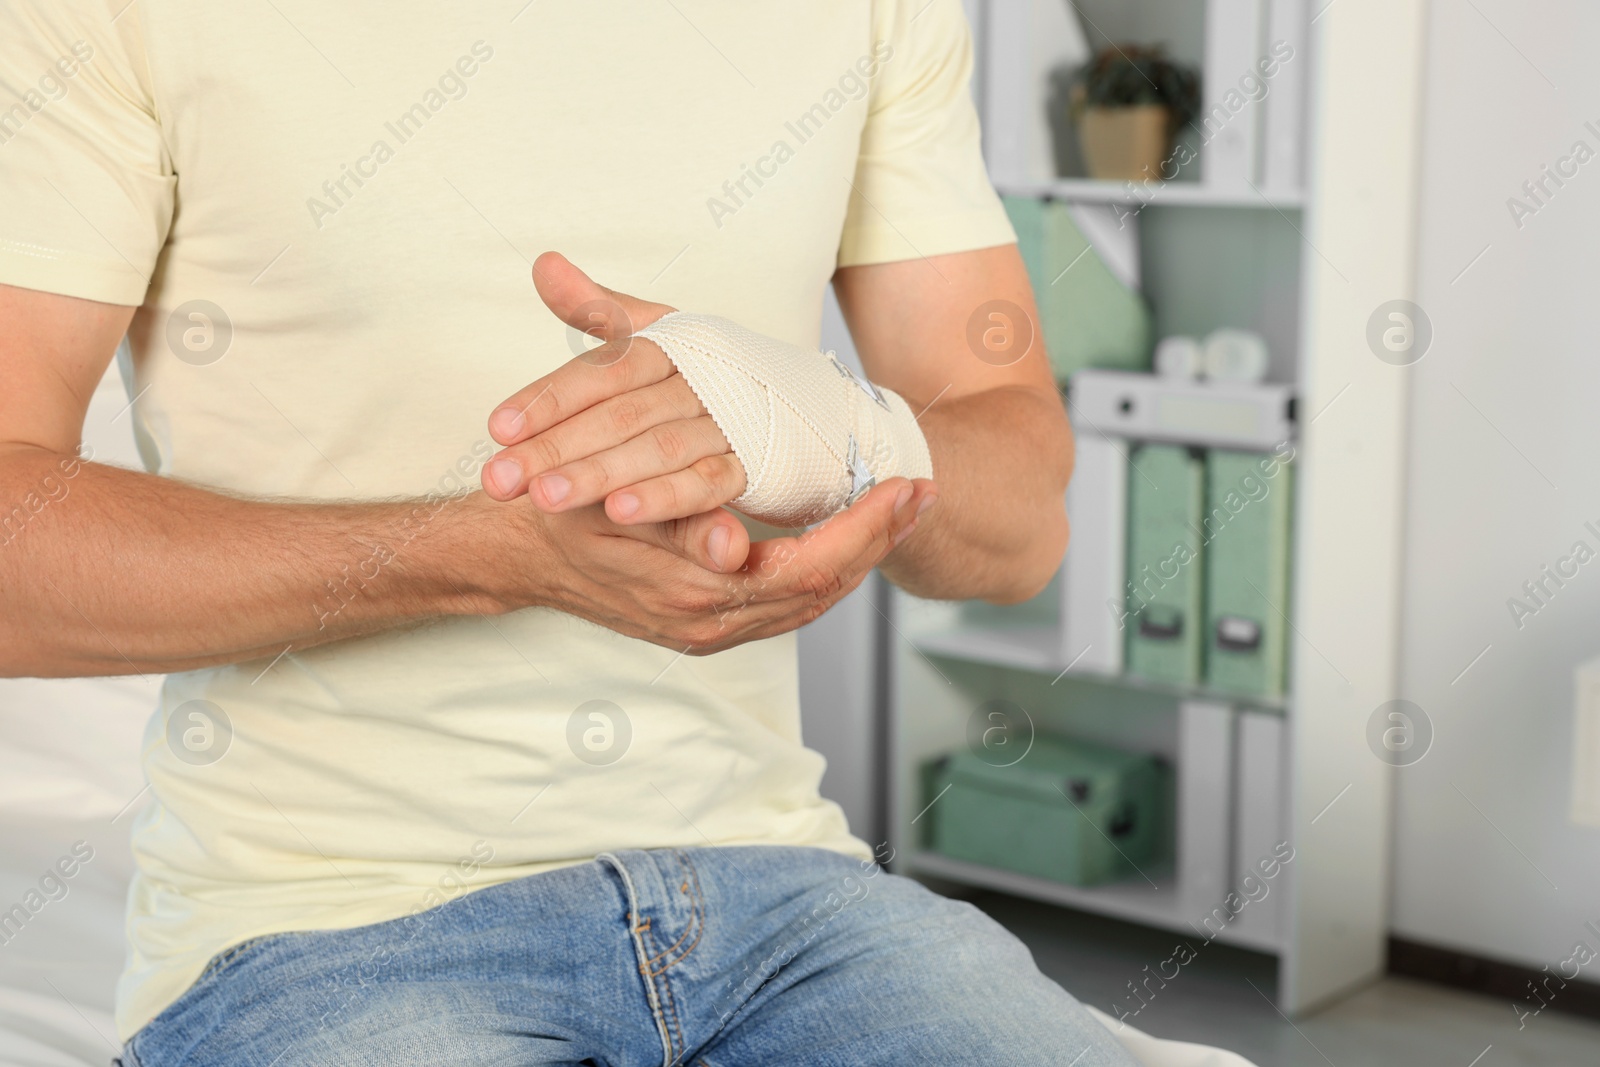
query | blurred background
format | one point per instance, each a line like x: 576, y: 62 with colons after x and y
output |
x: 1384, y: 657
x: 1300, y: 754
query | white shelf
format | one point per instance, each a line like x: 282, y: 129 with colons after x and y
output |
x: 1135, y: 900
x: 1029, y: 648
x: 1038, y: 649
x: 1245, y: 268
x: 1136, y: 195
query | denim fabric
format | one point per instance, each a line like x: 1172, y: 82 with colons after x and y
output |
x: 715, y: 957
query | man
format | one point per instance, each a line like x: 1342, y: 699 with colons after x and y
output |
x: 451, y: 776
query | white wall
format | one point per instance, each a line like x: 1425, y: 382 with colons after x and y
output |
x: 1504, y: 470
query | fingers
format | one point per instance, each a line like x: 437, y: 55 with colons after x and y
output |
x: 765, y: 589
x: 926, y: 496
x: 829, y: 560
x: 707, y: 483
x: 594, y: 431
x: 587, y: 306
x: 612, y: 370
x: 715, y: 540
x: 660, y: 450
x: 787, y: 582
x: 615, y: 367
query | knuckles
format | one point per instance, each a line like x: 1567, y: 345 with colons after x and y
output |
x: 542, y: 453
x: 628, y: 412
x: 821, y: 582
x: 671, y: 444
x: 691, y: 604
x: 549, y: 405
x: 812, y: 612
x: 699, y: 634
x: 718, y: 475
x: 675, y: 536
x: 598, y: 470
x: 669, y: 497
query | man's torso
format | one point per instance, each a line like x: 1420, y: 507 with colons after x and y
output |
x: 360, y: 192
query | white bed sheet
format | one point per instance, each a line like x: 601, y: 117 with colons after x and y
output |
x: 58, y: 970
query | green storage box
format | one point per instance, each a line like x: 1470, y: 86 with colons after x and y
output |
x: 1070, y: 812
x: 1164, y: 617
x: 1246, y: 526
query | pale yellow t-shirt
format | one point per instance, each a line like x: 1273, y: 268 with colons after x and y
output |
x: 326, y: 215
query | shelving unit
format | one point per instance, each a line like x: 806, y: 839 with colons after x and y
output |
x: 1155, y: 904
x: 1139, y: 195
x: 1038, y: 649
x: 1219, y: 247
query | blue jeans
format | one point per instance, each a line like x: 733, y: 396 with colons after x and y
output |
x: 714, y: 957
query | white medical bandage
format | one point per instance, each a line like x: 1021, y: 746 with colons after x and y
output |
x: 811, y: 434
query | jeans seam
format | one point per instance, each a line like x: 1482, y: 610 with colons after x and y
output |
x: 682, y: 1047
x: 697, y: 921
x: 214, y: 967
x: 635, y: 925
x: 221, y: 960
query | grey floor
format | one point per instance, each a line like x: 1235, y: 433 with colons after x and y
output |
x: 1221, y: 999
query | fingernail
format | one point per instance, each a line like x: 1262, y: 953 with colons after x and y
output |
x: 904, y: 533
x: 900, y: 501
x: 509, y: 421
x: 717, y: 545
x: 554, y: 487
x: 505, y: 474
x: 625, y: 505
x: 927, y: 502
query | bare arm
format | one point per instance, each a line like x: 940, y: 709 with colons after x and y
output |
x: 1001, y: 444
x: 108, y: 571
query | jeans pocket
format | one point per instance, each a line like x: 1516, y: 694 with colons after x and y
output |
x: 214, y: 967
x: 218, y: 963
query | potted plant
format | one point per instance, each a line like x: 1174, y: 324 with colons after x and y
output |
x: 1127, y: 104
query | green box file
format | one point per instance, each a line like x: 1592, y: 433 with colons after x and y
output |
x: 1088, y: 317
x: 1249, y: 504
x: 1070, y: 812
x: 1164, y: 618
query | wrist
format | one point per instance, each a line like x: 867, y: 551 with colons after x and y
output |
x: 493, y: 555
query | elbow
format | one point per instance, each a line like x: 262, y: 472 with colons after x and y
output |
x: 1037, y: 563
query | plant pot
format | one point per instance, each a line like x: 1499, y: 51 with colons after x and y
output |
x: 1125, y: 143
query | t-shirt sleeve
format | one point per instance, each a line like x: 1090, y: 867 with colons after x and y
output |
x: 86, y: 184
x: 920, y: 187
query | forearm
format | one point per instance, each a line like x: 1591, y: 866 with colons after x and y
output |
x: 1001, y: 459
x: 110, y: 571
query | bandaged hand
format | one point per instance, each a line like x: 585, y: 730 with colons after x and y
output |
x: 811, y: 435
x: 680, y: 413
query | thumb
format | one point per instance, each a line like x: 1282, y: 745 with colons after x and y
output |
x: 587, y: 306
